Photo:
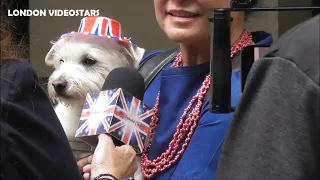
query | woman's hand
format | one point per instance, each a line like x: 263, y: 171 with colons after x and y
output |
x: 83, y: 162
x: 107, y: 158
x: 87, y: 168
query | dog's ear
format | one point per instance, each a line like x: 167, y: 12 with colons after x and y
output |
x: 135, y: 52
x: 138, y: 53
x: 50, y: 55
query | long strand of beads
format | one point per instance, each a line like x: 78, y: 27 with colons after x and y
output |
x: 186, y: 126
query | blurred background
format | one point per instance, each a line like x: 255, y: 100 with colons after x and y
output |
x: 137, y: 19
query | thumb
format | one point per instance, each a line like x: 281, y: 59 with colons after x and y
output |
x: 104, y: 147
x: 105, y: 141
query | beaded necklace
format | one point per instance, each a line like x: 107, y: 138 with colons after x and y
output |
x: 186, y: 126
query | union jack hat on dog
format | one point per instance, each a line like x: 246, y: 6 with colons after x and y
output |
x: 102, y: 27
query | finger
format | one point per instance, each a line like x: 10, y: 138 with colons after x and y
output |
x: 103, y: 150
x: 82, y: 162
x: 87, y: 168
x: 105, y: 140
x: 90, y: 159
x: 86, y: 176
x: 128, y: 149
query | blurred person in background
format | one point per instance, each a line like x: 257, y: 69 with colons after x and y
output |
x: 33, y: 143
x: 275, y: 132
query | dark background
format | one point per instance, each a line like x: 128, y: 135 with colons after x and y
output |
x: 316, y: 3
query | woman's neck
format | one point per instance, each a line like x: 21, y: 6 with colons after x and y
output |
x: 194, y: 55
x: 197, y: 54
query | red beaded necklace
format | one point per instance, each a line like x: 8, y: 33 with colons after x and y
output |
x: 186, y: 126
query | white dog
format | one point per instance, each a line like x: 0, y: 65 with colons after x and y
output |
x: 81, y: 64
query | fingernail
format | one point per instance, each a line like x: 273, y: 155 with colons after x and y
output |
x: 86, y: 176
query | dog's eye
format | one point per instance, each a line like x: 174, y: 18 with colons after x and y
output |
x: 61, y: 61
x: 89, y: 61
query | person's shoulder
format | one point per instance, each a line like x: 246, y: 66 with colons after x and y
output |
x: 300, y: 45
x: 149, y: 56
x: 300, y: 29
x: 13, y: 65
x: 16, y: 76
x: 299, y: 32
x: 25, y: 111
x: 158, y: 57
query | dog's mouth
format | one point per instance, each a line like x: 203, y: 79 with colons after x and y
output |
x: 64, y: 96
x: 65, y: 99
x: 68, y: 96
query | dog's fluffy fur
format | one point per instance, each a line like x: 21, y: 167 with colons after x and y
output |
x: 83, y: 62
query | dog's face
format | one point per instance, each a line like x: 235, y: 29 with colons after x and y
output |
x: 82, y: 64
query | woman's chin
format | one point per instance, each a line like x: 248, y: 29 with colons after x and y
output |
x: 177, y: 39
x: 179, y: 36
x: 186, y: 35
x: 185, y: 38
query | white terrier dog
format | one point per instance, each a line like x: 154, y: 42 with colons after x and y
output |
x: 81, y: 64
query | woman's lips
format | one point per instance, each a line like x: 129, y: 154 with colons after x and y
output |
x: 182, y: 14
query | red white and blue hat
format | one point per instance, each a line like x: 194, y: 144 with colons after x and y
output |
x: 101, y: 27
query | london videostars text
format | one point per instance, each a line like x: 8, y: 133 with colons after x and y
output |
x: 53, y: 12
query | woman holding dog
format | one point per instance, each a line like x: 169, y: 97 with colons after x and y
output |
x: 186, y: 139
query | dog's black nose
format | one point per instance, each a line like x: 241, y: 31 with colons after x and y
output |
x: 59, y: 85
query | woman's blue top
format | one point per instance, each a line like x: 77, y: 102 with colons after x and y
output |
x: 177, y: 87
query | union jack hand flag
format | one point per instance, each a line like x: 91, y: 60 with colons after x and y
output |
x: 97, y: 113
x: 118, y: 113
x: 131, y: 121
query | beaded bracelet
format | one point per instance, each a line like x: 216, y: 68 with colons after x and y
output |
x: 105, y: 176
